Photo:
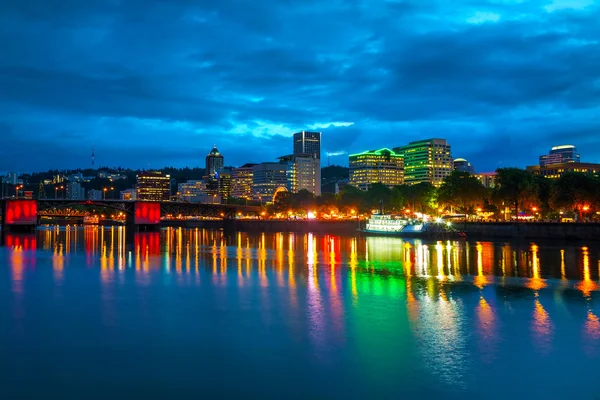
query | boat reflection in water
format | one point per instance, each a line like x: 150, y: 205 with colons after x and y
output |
x: 381, y: 315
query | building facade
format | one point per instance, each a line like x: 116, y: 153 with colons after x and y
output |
x: 268, y: 178
x: 487, y: 179
x: 128, y: 194
x: 426, y: 161
x: 306, y: 142
x: 302, y: 172
x: 214, y: 162
x: 75, y: 191
x: 462, y: 165
x: 566, y: 153
x: 153, y: 186
x: 557, y: 170
x: 376, y: 166
x: 94, y: 194
x: 241, y: 181
x: 219, y: 184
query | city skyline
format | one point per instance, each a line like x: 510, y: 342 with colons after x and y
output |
x: 158, y: 85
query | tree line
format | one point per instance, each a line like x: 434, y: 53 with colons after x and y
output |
x: 516, y: 191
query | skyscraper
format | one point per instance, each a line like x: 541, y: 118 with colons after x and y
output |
x: 566, y: 153
x: 376, y: 166
x: 427, y: 160
x: 214, y: 161
x: 308, y: 143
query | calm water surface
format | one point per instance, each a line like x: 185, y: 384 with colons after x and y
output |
x: 89, y: 313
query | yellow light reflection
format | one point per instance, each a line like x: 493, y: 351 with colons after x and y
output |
x: 587, y: 286
x: 536, y: 282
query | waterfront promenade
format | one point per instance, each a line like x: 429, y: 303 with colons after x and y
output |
x: 474, y: 230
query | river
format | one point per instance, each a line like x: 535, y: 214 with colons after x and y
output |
x: 89, y: 313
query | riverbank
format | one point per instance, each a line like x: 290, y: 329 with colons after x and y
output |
x: 474, y: 230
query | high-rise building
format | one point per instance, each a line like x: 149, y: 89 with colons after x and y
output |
x: 559, y: 155
x: 268, y: 178
x: 214, y: 161
x: 308, y: 143
x: 376, y: 166
x: 426, y: 161
x: 11, y: 178
x: 75, y: 191
x: 303, y: 172
x: 462, y: 165
x: 219, y: 184
x: 153, y: 186
x: 241, y: 181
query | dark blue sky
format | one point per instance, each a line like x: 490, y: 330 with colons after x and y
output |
x: 159, y: 82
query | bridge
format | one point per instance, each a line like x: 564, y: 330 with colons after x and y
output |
x: 25, y: 214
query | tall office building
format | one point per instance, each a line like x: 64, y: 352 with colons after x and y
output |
x: 214, y: 161
x: 559, y: 155
x: 308, y: 143
x: 219, y: 184
x: 376, y: 166
x: 426, y: 161
x: 302, y: 171
x: 153, y: 186
x: 267, y: 179
x: 241, y: 181
x: 462, y: 165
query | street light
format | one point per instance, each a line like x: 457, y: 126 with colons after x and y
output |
x: 104, y: 193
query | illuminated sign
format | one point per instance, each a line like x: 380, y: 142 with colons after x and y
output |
x: 147, y: 213
x: 20, y: 212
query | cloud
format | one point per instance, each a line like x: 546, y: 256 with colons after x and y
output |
x: 160, y: 82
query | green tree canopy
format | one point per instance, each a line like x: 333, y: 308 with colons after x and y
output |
x: 462, y: 191
x: 574, y: 191
x: 514, y: 186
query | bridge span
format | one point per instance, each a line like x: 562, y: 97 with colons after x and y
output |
x: 25, y: 214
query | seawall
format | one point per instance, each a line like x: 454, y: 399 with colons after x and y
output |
x: 532, y: 230
x: 474, y: 230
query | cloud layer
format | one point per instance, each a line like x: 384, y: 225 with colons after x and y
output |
x: 159, y: 82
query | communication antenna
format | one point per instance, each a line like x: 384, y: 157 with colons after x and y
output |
x: 93, y: 157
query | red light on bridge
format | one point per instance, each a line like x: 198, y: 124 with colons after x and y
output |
x: 21, y: 212
x: 147, y: 213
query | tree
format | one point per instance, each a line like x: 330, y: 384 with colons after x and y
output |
x: 419, y: 197
x: 462, y: 191
x: 514, y: 186
x: 378, y: 195
x: 544, y: 192
x: 303, y: 199
x: 575, y: 191
x: 352, y: 198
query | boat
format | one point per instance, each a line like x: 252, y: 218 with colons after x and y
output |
x: 391, y: 225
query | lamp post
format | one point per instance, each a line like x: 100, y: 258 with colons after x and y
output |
x: 17, y: 190
x: 104, y: 193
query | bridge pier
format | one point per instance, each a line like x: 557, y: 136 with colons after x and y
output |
x: 18, y: 215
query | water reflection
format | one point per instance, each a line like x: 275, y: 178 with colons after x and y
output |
x: 437, y: 309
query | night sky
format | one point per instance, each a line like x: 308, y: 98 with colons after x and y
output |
x: 157, y: 83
